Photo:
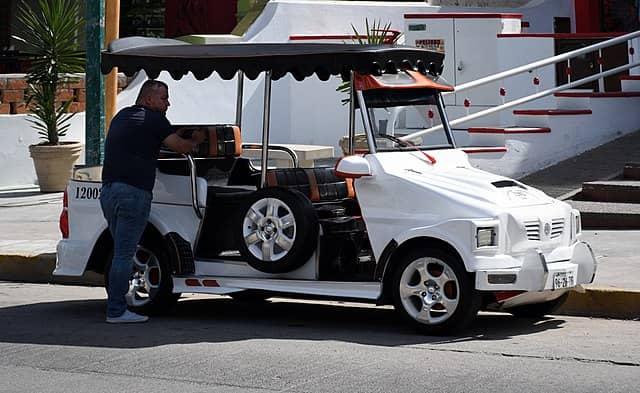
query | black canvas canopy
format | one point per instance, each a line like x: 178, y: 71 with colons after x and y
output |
x: 300, y: 60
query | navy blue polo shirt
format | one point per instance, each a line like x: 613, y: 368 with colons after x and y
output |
x: 132, y: 146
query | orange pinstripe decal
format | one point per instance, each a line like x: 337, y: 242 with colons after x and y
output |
x: 272, y: 180
x: 238, y: 139
x: 313, y: 185
x: 351, y: 193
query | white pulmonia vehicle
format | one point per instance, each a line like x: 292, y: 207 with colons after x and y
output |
x: 404, y: 219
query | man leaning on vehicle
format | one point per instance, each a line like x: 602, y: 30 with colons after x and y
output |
x: 131, y: 151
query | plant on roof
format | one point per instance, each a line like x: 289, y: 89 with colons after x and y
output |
x: 50, y: 35
x: 375, y: 34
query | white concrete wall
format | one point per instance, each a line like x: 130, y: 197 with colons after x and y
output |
x: 16, y: 134
x: 308, y: 112
x: 635, y: 44
x: 518, y: 51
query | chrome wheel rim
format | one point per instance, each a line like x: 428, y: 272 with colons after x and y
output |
x: 429, y: 290
x: 269, y: 229
x: 145, y: 279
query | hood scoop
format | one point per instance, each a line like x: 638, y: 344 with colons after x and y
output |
x: 507, y: 183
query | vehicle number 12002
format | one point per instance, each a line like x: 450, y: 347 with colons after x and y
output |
x: 87, y: 192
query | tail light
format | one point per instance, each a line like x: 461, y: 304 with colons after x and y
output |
x: 64, y: 216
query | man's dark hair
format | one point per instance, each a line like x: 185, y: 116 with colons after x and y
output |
x: 149, y: 87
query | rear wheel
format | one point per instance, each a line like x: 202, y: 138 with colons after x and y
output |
x: 150, y: 284
x: 432, y: 290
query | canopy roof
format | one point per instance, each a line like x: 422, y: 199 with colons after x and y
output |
x: 300, y: 60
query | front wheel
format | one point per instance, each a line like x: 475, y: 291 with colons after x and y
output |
x: 150, y: 284
x: 432, y: 289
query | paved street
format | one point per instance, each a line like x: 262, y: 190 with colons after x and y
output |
x: 53, y: 339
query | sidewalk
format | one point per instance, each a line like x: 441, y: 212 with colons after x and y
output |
x: 29, y: 234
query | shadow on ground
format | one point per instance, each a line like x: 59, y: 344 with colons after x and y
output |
x: 220, y: 319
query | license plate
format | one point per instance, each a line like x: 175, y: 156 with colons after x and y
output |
x: 563, y: 280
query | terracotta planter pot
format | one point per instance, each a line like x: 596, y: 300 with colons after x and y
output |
x: 54, y: 164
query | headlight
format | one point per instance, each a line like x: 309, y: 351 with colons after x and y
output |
x: 486, y: 237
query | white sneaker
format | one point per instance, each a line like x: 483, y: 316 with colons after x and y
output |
x: 128, y: 317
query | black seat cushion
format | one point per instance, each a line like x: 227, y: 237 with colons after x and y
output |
x: 318, y: 184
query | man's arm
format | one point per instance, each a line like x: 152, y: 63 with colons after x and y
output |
x: 183, y: 145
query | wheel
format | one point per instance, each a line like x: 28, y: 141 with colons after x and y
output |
x: 432, y: 289
x: 150, y: 284
x: 279, y: 230
x: 538, y: 310
x: 250, y: 296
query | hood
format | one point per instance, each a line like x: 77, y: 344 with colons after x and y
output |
x: 452, y: 175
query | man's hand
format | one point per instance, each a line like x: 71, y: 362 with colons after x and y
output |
x: 182, y: 145
x: 198, y: 136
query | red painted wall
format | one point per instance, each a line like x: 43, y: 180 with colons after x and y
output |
x: 184, y: 17
x: 588, y: 16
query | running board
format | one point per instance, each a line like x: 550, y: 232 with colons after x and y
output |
x: 225, y: 285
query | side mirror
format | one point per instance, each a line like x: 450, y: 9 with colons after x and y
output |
x: 353, y: 167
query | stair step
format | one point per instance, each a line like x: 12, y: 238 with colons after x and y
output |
x: 552, y: 112
x: 606, y: 94
x: 509, y: 130
x: 620, y: 191
x: 608, y: 215
x: 631, y: 171
x: 630, y: 83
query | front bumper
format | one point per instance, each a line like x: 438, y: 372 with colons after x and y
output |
x: 538, y: 274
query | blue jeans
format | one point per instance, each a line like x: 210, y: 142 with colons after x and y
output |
x: 126, y: 209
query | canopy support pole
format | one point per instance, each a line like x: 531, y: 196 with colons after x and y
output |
x: 368, y: 129
x: 239, y: 99
x: 444, y: 119
x: 352, y: 113
x: 266, y: 116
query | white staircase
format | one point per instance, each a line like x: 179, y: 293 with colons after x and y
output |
x: 542, y: 137
x: 569, y: 121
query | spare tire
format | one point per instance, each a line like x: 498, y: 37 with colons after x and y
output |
x: 278, y: 230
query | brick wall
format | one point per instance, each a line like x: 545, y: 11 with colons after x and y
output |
x: 14, y: 93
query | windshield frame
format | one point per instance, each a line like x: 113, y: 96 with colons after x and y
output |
x: 368, y: 119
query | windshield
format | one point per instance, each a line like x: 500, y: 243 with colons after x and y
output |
x: 391, y: 124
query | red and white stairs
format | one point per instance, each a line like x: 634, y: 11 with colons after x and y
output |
x: 580, y: 121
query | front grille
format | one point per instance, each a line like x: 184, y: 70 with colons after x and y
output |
x: 533, y: 229
x: 557, y: 227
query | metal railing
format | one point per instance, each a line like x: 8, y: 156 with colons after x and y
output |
x: 527, y: 68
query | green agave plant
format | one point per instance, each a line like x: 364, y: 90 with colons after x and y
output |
x: 375, y: 34
x: 50, y: 35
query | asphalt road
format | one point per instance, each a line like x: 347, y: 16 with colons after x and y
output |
x: 53, y: 339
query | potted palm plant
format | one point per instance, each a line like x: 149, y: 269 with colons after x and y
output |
x: 375, y: 34
x: 50, y: 35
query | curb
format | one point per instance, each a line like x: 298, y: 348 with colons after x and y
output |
x: 38, y: 268
x: 604, y: 302
x: 607, y: 302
